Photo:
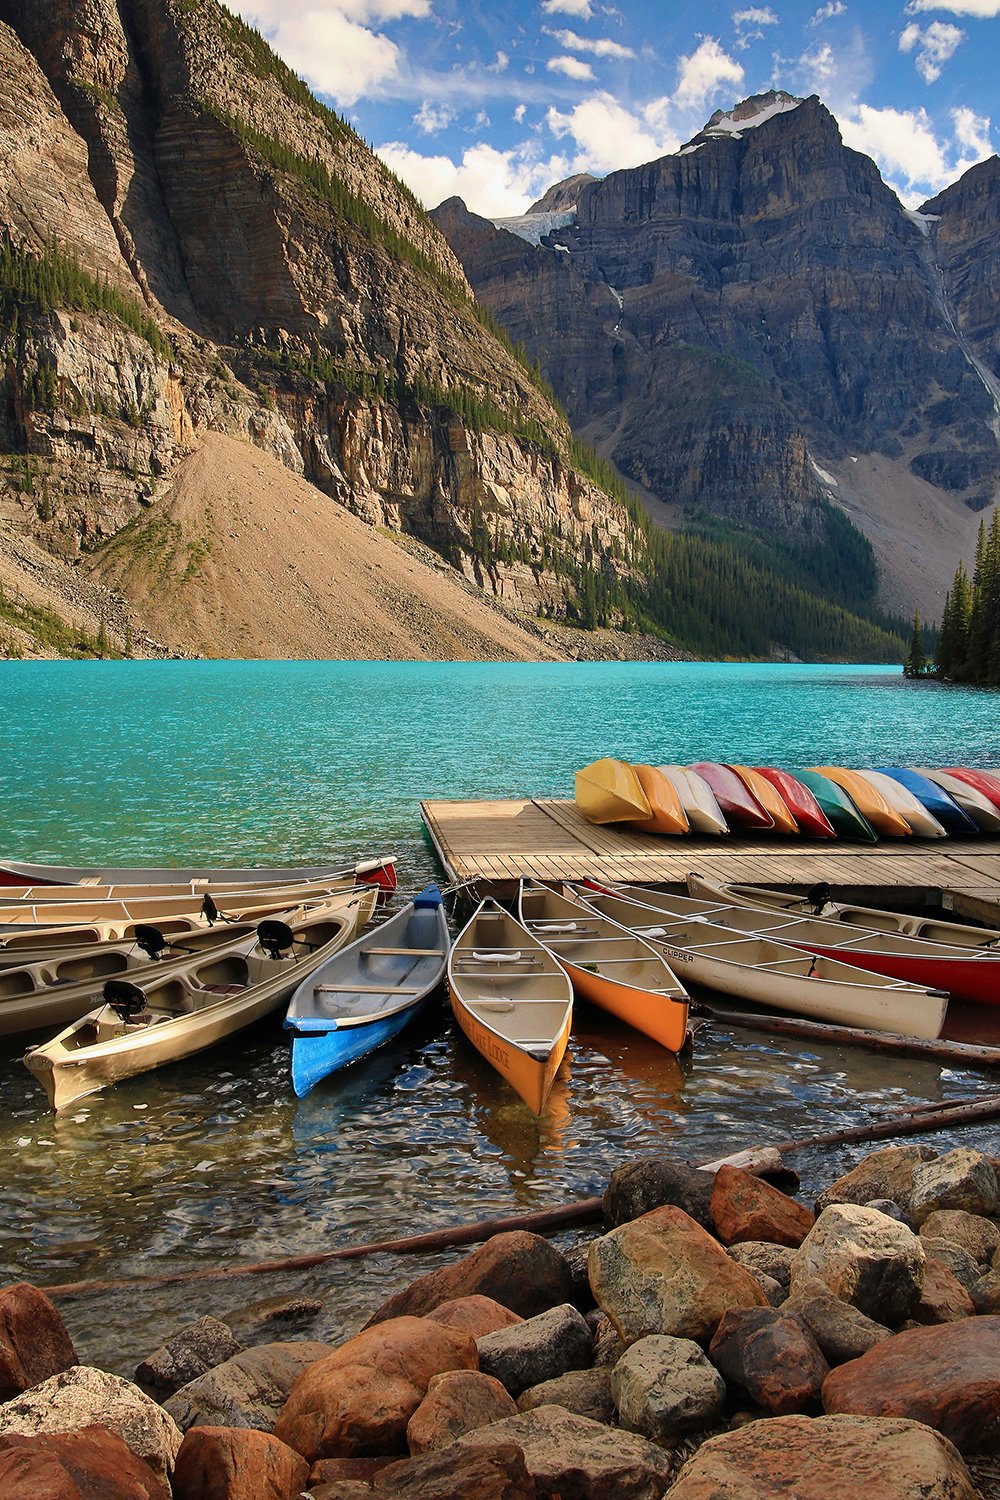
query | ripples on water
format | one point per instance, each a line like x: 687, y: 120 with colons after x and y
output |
x: 216, y: 1160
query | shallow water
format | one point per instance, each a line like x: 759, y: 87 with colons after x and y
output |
x: 300, y: 762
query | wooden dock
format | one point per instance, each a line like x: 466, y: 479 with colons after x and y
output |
x: 495, y: 844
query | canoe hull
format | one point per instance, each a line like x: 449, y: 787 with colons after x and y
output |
x: 976, y: 979
x: 317, y: 1054
x: 868, y: 800
x: 769, y: 797
x: 801, y: 803
x: 848, y: 822
x: 665, y: 1021
x: 531, y: 1078
x: 740, y: 807
x: 668, y: 815
x: 935, y: 799
x: 380, y: 872
x: 608, y: 791
x: 699, y: 802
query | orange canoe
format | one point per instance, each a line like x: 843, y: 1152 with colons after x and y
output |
x: 608, y: 965
x: 769, y: 798
x: 868, y: 800
x: 661, y: 794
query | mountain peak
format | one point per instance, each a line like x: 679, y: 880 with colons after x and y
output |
x: 747, y: 115
x: 562, y: 197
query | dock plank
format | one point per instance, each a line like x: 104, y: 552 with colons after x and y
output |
x: 498, y: 843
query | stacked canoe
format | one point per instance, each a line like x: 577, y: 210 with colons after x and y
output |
x: 817, y: 802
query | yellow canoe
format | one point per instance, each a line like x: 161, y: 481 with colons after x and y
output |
x: 668, y: 815
x: 769, y: 798
x: 512, y: 1000
x: 609, y: 966
x: 868, y: 800
x: 609, y: 791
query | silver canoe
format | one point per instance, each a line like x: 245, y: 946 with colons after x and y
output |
x: 173, y: 1016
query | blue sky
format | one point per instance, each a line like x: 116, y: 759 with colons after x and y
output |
x: 495, y: 101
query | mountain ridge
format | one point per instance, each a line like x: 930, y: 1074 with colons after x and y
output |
x: 748, y: 325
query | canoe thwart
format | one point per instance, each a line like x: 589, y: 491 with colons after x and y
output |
x: 405, y: 952
x: 366, y: 989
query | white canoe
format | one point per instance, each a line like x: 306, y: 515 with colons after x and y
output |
x: 172, y: 1016
x: 45, y: 921
x: 923, y: 824
x: 381, y: 871
x: 512, y: 1000
x: 768, y: 972
x: 820, y: 903
x: 699, y: 802
x: 979, y: 808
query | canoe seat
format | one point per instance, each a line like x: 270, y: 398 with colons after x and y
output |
x: 501, y: 956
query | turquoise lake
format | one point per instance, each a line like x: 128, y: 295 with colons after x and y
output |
x: 300, y: 762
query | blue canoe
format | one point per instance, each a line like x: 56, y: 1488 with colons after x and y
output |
x: 364, y: 996
x: 935, y: 799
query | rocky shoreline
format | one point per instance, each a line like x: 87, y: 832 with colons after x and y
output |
x: 719, y: 1339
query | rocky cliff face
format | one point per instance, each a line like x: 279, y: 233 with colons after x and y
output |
x: 719, y: 319
x: 278, y: 285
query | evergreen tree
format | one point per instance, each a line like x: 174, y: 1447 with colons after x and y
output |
x: 915, y: 659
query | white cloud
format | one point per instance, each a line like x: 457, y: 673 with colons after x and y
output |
x: 600, y: 46
x: 839, y: 75
x: 492, y: 183
x: 755, y: 16
x: 984, y: 9
x: 827, y: 12
x: 701, y: 74
x: 973, y: 132
x: 911, y: 157
x: 520, y: 112
x: 608, y: 136
x: 579, y: 8
x: 432, y: 117
x: 934, y: 45
x: 572, y: 67
x: 500, y: 63
x: 330, y: 43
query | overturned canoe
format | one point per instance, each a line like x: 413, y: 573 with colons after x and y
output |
x: 667, y: 813
x: 608, y: 791
x: 512, y: 1000
x: 922, y: 824
x: 740, y: 808
x: 701, y: 807
x: 974, y: 803
x: 869, y: 801
x: 837, y: 806
x: 609, y: 966
x: 983, y: 781
x: 368, y: 992
x: 769, y: 797
x: 935, y: 799
x: 800, y: 801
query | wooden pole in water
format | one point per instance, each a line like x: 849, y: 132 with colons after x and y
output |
x: 877, y: 1041
x: 922, y: 1117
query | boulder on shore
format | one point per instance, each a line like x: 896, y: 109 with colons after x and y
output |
x: 34, y: 1341
x: 521, y: 1271
x: 868, y: 1259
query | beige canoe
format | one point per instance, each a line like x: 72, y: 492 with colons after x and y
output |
x: 79, y: 909
x: 112, y: 921
x: 172, y: 1016
x: 512, y: 1000
x: 60, y: 987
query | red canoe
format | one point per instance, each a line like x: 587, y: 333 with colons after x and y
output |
x: 801, y: 803
x: 740, y: 807
x: 980, y: 781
